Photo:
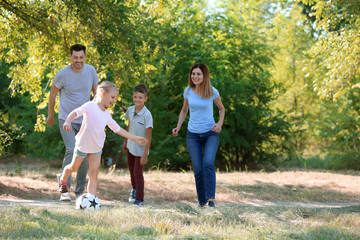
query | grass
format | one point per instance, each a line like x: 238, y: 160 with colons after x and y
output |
x: 171, y: 211
x: 180, y: 221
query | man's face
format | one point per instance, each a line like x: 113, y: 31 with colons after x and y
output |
x: 78, y: 59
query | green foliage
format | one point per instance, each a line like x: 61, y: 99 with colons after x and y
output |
x: 153, y: 43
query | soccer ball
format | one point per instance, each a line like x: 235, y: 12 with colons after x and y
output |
x: 88, y: 201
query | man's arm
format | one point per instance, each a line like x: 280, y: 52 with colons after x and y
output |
x: 53, y: 92
x: 94, y: 89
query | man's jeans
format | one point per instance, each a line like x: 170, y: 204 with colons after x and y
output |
x: 202, y: 148
x: 69, y: 141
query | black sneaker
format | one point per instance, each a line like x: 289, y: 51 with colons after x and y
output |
x: 202, y: 204
x: 211, y: 204
x: 138, y: 203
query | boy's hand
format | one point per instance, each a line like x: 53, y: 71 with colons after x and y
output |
x: 140, y: 140
x: 143, y: 160
x: 123, y: 147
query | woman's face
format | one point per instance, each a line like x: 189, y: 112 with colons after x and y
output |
x: 197, y: 76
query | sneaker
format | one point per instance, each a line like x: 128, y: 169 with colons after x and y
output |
x: 211, y: 204
x: 202, y: 204
x: 132, y: 195
x: 65, y: 197
x: 138, y: 203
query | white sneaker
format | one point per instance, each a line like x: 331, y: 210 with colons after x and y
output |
x: 132, y: 195
x: 65, y: 197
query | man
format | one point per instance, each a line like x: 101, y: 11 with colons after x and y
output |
x: 74, y: 84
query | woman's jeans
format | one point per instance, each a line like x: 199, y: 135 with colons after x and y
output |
x: 202, y: 148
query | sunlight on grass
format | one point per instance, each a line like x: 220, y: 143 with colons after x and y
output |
x: 180, y: 221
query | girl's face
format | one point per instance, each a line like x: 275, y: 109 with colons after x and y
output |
x: 109, y: 98
x: 197, y: 76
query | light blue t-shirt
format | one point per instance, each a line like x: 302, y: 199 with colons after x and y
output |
x: 74, y: 89
x: 201, y: 111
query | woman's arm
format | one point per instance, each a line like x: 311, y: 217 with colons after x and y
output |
x: 182, y: 116
x: 217, y: 126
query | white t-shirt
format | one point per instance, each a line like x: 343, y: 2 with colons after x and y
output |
x: 91, y: 137
x: 74, y: 88
x: 138, y: 123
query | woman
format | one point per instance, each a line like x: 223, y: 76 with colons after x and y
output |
x: 202, y: 137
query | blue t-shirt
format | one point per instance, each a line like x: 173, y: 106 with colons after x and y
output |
x: 201, y: 111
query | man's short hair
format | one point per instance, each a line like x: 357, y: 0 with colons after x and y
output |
x: 77, y: 47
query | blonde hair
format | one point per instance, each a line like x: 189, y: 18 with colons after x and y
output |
x: 206, y: 90
x: 106, y: 86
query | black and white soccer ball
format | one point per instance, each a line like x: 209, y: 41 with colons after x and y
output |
x: 88, y: 201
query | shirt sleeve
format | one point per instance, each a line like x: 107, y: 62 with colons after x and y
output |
x: 95, y: 76
x: 126, y: 114
x: 58, y: 80
x: 80, y: 110
x: 186, y: 93
x: 113, y: 125
x: 216, y: 93
x: 148, y: 120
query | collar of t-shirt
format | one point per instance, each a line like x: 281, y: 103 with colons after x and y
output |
x: 142, y: 111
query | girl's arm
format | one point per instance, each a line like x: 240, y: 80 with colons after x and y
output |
x: 217, y: 126
x: 67, y: 123
x: 143, y: 159
x: 140, y: 140
x: 182, y: 116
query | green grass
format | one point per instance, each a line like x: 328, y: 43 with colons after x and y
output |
x: 179, y: 221
x: 171, y: 211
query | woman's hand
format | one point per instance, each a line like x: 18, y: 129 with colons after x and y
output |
x: 216, y: 128
x: 175, y: 131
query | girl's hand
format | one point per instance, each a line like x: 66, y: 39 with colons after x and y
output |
x: 216, y: 128
x: 140, y: 140
x: 175, y: 131
x: 67, y: 126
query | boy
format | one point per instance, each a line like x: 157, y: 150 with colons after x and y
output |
x: 140, y: 124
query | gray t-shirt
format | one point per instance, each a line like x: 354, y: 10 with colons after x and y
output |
x: 138, y: 123
x: 74, y: 88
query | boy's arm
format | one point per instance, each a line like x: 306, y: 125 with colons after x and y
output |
x: 125, y: 141
x: 143, y: 159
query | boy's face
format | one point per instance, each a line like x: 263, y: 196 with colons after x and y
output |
x: 139, y: 99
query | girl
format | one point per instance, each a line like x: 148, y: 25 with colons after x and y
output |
x: 91, y: 137
x: 202, y: 130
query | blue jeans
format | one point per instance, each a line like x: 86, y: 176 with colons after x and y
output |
x: 69, y: 141
x: 202, y: 148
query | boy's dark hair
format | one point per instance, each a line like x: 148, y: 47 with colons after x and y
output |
x: 141, y: 88
x: 77, y: 47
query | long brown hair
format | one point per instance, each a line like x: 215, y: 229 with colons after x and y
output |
x: 205, y: 90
